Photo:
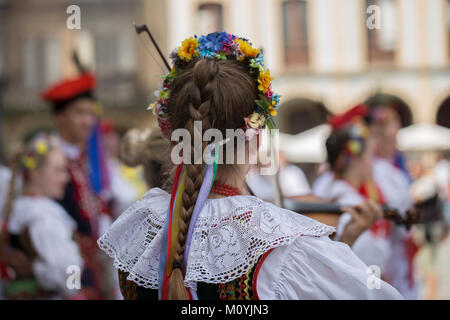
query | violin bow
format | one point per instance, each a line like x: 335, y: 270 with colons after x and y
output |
x: 144, y: 28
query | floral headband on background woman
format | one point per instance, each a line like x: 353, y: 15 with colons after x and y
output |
x: 354, y: 124
x: 37, y: 149
x: 222, y: 46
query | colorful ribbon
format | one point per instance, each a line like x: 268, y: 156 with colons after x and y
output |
x: 165, y: 268
x: 170, y: 232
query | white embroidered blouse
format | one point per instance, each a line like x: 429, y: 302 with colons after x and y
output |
x: 230, y: 235
x: 50, y: 229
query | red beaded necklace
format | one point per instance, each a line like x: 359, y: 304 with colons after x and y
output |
x: 224, y: 189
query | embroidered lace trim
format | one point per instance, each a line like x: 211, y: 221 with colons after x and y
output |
x: 229, y: 237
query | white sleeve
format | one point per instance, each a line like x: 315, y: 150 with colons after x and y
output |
x: 319, y: 268
x: 347, y: 199
x: 56, y: 251
x: 293, y: 182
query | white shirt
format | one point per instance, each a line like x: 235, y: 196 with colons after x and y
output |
x: 371, y: 249
x: 71, y: 151
x: 441, y: 173
x: 322, y: 184
x: 123, y: 192
x: 229, y: 236
x: 50, y: 229
x: 292, y: 183
x: 5, y: 177
x: 395, y: 187
x: 393, y: 183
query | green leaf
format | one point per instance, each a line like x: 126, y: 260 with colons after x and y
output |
x: 261, y: 104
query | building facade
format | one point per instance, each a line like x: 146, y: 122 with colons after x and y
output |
x: 325, y: 55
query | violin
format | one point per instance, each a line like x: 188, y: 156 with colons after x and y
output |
x: 411, y: 217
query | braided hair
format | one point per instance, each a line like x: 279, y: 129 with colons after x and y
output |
x: 219, y: 93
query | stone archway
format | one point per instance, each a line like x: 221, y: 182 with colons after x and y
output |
x: 443, y: 114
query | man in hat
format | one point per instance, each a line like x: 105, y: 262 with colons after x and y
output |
x: 73, y: 108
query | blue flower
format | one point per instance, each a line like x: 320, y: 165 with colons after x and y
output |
x: 213, y: 43
x: 276, y: 98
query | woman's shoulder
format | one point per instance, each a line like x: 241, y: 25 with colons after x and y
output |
x: 262, y: 216
x: 30, y: 209
x: 319, y: 268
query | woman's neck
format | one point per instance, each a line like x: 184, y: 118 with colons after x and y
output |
x: 233, y: 176
x: 32, y: 190
x: 353, y: 178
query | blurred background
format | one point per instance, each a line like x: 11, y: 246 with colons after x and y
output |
x: 321, y: 53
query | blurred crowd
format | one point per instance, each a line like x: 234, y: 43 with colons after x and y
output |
x: 65, y: 188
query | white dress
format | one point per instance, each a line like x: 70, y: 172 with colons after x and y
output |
x: 50, y: 229
x: 372, y: 249
x: 293, y: 183
x: 123, y: 192
x: 322, y: 184
x: 230, y: 235
x: 395, y: 187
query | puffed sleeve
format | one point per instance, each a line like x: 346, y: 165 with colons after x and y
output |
x: 56, y: 252
x: 319, y: 268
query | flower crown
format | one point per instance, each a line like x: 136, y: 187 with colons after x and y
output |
x: 352, y: 122
x: 222, y: 46
x: 38, y: 148
x: 358, y: 133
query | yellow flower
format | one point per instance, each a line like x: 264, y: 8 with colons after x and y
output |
x: 264, y: 81
x: 41, y: 147
x: 173, y: 72
x: 152, y: 106
x: 255, y: 120
x: 273, y: 113
x: 354, y: 147
x: 187, y: 51
x: 29, y: 162
x: 247, y: 49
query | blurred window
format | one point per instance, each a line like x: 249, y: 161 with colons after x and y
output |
x: 115, y: 65
x: 41, y: 62
x: 52, y: 61
x: 210, y: 18
x: 32, y: 66
x: 114, y: 54
x: 295, y: 32
x: 106, y: 54
x: 382, y: 41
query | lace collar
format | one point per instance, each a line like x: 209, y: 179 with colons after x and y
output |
x: 230, y: 235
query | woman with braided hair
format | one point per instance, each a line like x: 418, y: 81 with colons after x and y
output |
x: 209, y: 238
